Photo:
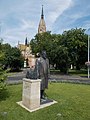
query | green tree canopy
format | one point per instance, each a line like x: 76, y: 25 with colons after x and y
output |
x: 76, y: 42
x: 2, y: 72
x: 13, y: 58
x: 63, y: 50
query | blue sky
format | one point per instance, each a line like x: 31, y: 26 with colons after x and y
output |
x: 20, y: 18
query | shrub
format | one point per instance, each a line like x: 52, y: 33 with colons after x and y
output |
x: 2, y: 79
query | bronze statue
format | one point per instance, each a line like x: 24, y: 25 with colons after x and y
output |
x: 41, y: 71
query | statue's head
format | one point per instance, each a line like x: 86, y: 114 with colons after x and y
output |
x: 38, y: 55
x: 44, y: 55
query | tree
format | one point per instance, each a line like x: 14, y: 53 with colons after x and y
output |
x: 63, y: 50
x: 76, y: 42
x: 57, y: 53
x: 61, y: 57
x: 13, y: 58
x: 2, y: 72
x: 44, y: 41
x: 40, y: 42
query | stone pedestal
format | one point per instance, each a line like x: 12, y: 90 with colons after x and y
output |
x: 31, y: 93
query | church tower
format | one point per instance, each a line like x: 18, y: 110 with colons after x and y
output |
x: 42, y: 25
x: 26, y: 42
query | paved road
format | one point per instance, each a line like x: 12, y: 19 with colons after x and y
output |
x: 70, y: 78
x: 17, y: 78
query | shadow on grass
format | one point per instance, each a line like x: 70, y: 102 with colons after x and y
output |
x: 4, y: 94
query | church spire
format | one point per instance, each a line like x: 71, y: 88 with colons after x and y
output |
x: 26, y: 42
x: 42, y: 15
x: 42, y: 25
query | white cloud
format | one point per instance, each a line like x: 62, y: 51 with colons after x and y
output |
x: 56, y: 8
x: 27, y: 24
x: 27, y: 13
x: 74, y: 16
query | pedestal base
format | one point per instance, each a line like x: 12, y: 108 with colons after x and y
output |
x: 40, y: 107
x: 31, y: 96
x: 31, y: 93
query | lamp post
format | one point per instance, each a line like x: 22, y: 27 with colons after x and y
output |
x: 0, y: 30
x: 88, y: 63
x: 88, y: 54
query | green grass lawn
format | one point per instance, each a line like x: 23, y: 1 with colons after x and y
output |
x: 73, y: 103
x: 82, y: 72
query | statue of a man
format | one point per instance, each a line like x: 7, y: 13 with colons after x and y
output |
x: 40, y: 71
x: 43, y: 71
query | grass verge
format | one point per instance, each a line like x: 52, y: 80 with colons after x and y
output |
x: 73, y: 103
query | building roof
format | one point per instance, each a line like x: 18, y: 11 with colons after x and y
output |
x: 22, y: 47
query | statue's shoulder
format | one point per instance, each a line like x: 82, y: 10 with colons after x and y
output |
x: 37, y: 60
x: 40, y: 59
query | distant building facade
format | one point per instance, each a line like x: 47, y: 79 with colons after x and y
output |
x: 26, y: 53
